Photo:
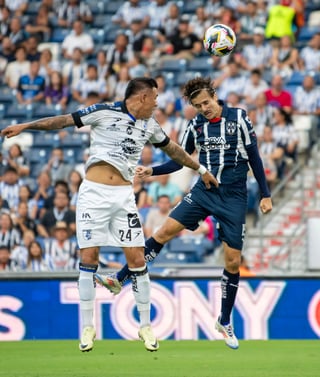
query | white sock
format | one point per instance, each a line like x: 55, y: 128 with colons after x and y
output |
x: 141, y: 291
x: 87, y: 295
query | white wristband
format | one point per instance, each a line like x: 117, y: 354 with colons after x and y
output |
x: 202, y: 170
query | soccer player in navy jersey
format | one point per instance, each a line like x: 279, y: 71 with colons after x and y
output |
x: 106, y: 212
x: 226, y: 145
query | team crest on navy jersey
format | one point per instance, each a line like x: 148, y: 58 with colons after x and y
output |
x: 231, y: 128
x: 87, y: 234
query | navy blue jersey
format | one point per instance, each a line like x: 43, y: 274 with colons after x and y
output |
x: 222, y: 144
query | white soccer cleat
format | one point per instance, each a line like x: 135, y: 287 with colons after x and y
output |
x: 150, y: 341
x: 110, y: 282
x: 228, y: 334
x: 87, y: 338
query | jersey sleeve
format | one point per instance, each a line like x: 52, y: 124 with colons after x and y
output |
x: 159, y: 138
x: 86, y: 116
x: 188, y: 139
x: 248, y: 134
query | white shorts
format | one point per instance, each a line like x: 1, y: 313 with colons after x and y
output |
x: 107, y: 216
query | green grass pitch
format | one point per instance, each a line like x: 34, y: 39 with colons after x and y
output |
x: 122, y: 358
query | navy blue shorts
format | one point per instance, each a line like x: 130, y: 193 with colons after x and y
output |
x: 226, y: 203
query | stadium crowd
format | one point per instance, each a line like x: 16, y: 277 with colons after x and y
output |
x: 59, y: 55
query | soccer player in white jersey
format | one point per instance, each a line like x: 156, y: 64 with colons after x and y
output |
x: 226, y: 144
x: 106, y: 211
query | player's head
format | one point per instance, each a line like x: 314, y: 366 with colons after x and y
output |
x: 141, y: 97
x: 202, y: 96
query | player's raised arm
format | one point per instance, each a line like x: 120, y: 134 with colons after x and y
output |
x: 179, y: 155
x: 51, y: 123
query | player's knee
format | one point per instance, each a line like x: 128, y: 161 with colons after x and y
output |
x: 233, y: 263
x: 89, y: 256
x: 136, y: 261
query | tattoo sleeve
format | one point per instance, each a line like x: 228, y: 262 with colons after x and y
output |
x: 52, y: 123
x: 180, y: 156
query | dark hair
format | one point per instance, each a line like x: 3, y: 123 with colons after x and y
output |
x: 286, y: 115
x: 194, y: 86
x: 138, y: 84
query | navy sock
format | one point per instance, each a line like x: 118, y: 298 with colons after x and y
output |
x: 229, y: 288
x: 151, y: 250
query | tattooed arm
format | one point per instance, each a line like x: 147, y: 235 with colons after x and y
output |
x: 52, y: 123
x: 179, y: 155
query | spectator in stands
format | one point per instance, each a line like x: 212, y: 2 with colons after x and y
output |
x: 60, y: 247
x: 157, y: 215
x: 3, y: 166
x: 10, y: 186
x: 264, y: 111
x: 186, y: 113
x: 232, y: 79
x: 17, y: 159
x: 5, y: 17
x: 73, y: 10
x: 122, y: 79
x: 74, y: 182
x: 254, y: 85
x: 17, y: 34
x: 119, y: 53
x: 5, y: 262
x: 43, y: 191
x: 284, y: 59
x: 170, y: 24
x: 131, y: 10
x: 19, y: 254
x: 40, y: 25
x: 56, y: 93
x: 272, y: 154
x: 136, y: 34
x: 60, y: 212
x: 234, y: 100
x: 17, y: 68
x: 162, y: 186
x: 183, y: 44
x: 256, y: 55
x: 284, y: 133
x: 75, y: 69
x: 199, y: 22
x: 166, y: 97
x: 102, y: 65
x: 48, y: 64
x: 9, y: 236
x: 90, y: 83
x: 25, y: 196
x: 278, y: 97
x: 7, y: 54
x: 250, y: 20
x: 158, y: 10
x: 22, y: 221
x: 307, y: 98
x: 140, y: 192
x: 137, y: 68
x: 150, y: 53
x: 166, y: 123
x: 59, y: 186
x: 78, y: 38
x: 38, y: 260
x: 309, y: 57
x: 31, y: 86
x: 281, y: 19
x: 32, y: 44
x: 17, y: 7
x: 57, y: 167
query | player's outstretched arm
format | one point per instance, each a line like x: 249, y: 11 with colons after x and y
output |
x: 179, y: 155
x: 51, y: 123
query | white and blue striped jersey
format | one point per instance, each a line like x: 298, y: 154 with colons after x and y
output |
x: 117, y: 137
x: 222, y: 144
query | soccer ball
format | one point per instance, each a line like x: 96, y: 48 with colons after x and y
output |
x: 219, y: 40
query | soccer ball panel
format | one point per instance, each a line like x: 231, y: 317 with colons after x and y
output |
x: 219, y: 40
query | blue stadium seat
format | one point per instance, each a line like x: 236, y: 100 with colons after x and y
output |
x: 58, y: 34
x: 174, y: 65
x: 201, y: 64
x: 189, y: 7
x: 192, y: 248
x: 306, y: 33
x: 42, y: 110
x: 45, y: 139
x: 6, y: 95
x: 296, y: 78
x: 111, y: 6
x: 15, y: 111
x: 110, y: 254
